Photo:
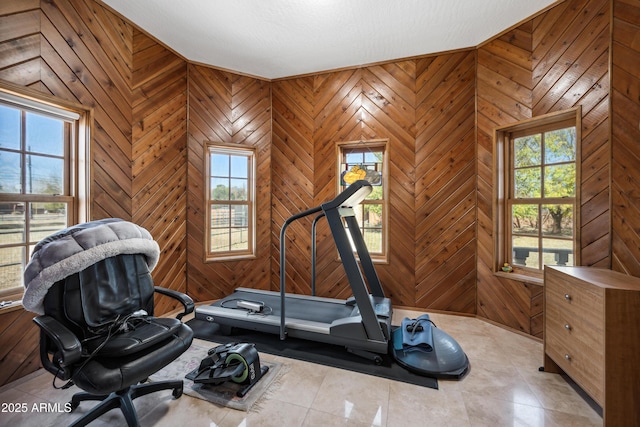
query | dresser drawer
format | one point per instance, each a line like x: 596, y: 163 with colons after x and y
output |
x: 579, y: 315
x: 583, y: 301
x: 581, y: 362
x: 574, y: 332
x: 585, y: 332
x: 591, y: 320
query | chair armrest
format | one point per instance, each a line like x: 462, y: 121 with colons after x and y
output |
x: 68, y: 348
x: 184, y: 299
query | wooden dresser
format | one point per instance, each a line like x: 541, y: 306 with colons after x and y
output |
x: 592, y: 333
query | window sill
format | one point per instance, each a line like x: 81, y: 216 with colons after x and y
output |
x: 247, y: 257
x: 13, y: 306
x: 533, y: 280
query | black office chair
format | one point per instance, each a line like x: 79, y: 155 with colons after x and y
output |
x: 98, y: 330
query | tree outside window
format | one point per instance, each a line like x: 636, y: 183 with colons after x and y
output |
x: 543, y: 198
x: 538, y: 183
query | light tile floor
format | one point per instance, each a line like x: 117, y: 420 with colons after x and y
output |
x: 503, y: 388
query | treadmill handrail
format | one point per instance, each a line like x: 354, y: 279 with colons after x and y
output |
x: 314, y: 225
x: 283, y: 232
x: 351, y: 196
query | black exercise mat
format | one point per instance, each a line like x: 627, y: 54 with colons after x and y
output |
x: 311, y: 351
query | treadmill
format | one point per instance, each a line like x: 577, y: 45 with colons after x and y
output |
x: 362, y: 323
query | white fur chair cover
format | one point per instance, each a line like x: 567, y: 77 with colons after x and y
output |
x: 75, y: 248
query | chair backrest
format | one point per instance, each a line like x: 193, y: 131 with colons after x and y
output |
x: 88, y: 302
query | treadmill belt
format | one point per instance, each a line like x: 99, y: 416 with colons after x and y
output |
x: 316, y: 311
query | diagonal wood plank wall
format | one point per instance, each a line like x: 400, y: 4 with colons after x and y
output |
x: 418, y: 105
x: 292, y: 173
x: 556, y: 61
x: 70, y: 49
x: 20, y: 43
x: 79, y: 51
x: 364, y: 104
x: 625, y: 126
x: 445, y: 184
x: 504, y: 96
x: 159, y: 158
x: 154, y: 111
x: 83, y: 61
x: 227, y: 108
x: 571, y: 68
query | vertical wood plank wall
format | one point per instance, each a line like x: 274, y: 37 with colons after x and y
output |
x: 154, y: 112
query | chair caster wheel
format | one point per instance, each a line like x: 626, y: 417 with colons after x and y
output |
x: 73, y: 405
x: 177, y: 392
x: 377, y: 360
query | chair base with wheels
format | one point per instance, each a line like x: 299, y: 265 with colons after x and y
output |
x: 122, y: 399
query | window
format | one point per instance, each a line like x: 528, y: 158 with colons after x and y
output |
x: 367, y: 160
x: 42, y: 190
x: 539, y: 183
x: 231, y: 202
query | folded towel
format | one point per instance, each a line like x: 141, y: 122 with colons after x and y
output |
x: 414, y: 335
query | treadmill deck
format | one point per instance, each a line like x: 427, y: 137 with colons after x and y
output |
x: 306, y: 317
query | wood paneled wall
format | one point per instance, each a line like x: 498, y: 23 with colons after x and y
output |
x: 154, y: 112
x: 365, y: 104
x: 84, y: 60
x: 19, y: 64
x: 625, y: 128
x: 79, y: 51
x: 445, y: 183
x: 425, y: 108
x: 292, y: 179
x: 571, y: 68
x: 554, y: 62
x: 231, y: 109
x: 159, y: 158
x: 19, y: 345
x: 68, y: 49
x: 20, y: 42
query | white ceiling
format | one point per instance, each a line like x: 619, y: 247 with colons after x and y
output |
x: 284, y: 38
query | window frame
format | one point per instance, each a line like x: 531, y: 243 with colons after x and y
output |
x: 370, y: 146
x: 251, y: 154
x: 76, y: 160
x: 503, y: 187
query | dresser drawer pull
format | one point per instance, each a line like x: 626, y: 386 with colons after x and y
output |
x: 566, y: 356
x: 567, y: 297
x: 567, y: 327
